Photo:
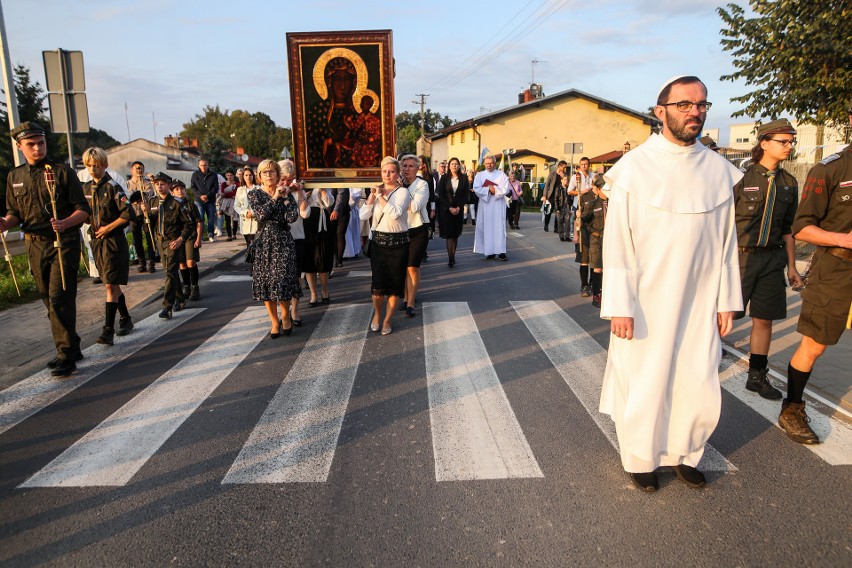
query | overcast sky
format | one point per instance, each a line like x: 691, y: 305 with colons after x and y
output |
x: 171, y: 58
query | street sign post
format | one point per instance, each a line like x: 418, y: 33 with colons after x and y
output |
x: 572, y: 148
x: 66, y: 86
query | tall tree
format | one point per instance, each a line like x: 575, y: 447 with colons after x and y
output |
x: 795, y: 55
x: 433, y: 121
x: 31, y: 106
x: 256, y: 133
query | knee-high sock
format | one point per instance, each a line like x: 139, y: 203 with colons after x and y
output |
x: 796, y: 381
x: 184, y: 275
x: 193, y: 274
x: 109, y: 318
x: 596, y: 278
x: 584, y: 275
x: 122, y: 307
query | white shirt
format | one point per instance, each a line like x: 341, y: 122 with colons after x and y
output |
x: 393, y: 217
x: 418, y: 208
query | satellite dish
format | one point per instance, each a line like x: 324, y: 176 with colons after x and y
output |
x: 244, y: 157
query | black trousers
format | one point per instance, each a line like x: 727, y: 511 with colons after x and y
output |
x: 171, y: 260
x: 61, y: 304
x: 140, y: 233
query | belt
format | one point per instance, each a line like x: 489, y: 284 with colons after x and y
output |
x: 37, y: 237
x: 840, y: 252
x: 759, y: 249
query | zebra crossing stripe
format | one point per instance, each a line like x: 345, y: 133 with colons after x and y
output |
x: 296, y: 437
x: 112, y: 453
x: 25, y: 398
x: 581, y: 361
x: 835, y: 446
x: 475, y: 434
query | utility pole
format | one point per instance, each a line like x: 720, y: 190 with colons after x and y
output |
x: 422, y: 104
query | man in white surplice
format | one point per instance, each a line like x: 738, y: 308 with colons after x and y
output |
x: 670, y: 286
x: 491, y: 185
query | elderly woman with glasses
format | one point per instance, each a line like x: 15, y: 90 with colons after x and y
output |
x: 275, y: 279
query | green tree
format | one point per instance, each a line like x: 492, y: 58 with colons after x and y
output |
x: 433, y: 121
x: 795, y: 55
x: 31, y: 106
x: 214, y: 148
x: 406, y: 139
x: 256, y: 133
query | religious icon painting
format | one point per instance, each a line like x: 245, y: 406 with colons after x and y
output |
x: 341, y: 94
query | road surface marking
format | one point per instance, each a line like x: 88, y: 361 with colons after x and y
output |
x: 835, y: 435
x: 475, y: 434
x: 112, y: 453
x: 25, y: 398
x: 581, y: 362
x: 232, y: 278
x: 296, y: 437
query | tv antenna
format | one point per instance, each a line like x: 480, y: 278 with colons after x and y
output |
x: 534, y: 61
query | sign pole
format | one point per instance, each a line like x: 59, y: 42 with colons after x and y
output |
x: 67, y: 108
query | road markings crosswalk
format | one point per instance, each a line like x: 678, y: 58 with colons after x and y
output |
x: 581, y: 361
x: 835, y: 436
x: 25, y: 398
x: 296, y: 437
x: 111, y: 453
x: 475, y: 434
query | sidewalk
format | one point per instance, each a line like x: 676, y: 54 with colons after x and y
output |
x: 25, y: 335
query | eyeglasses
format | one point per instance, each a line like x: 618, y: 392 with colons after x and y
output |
x: 686, y: 106
x: 267, y: 173
x: 785, y: 143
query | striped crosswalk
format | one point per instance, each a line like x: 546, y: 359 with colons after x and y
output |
x: 475, y: 434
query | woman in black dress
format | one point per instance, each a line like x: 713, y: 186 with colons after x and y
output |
x: 320, y: 241
x: 453, y: 191
x: 275, y: 279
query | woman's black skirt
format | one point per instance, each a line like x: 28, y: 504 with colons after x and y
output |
x: 418, y: 240
x: 389, y: 262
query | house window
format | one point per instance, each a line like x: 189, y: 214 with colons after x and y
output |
x: 462, y: 137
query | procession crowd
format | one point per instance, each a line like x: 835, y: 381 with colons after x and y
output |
x: 669, y: 295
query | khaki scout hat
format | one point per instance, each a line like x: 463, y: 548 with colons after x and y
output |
x: 780, y: 126
x: 28, y: 129
x: 708, y: 141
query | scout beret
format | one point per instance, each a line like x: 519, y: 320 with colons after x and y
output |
x: 780, y: 126
x: 160, y: 176
x: 28, y: 129
x: 708, y: 141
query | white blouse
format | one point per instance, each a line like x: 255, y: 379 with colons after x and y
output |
x: 393, y: 217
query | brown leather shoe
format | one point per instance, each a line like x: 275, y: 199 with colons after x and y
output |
x: 794, y: 421
x: 646, y: 482
x: 689, y: 475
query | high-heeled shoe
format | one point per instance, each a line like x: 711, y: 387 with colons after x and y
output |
x: 276, y: 335
x: 326, y: 300
x: 313, y: 302
x: 296, y: 322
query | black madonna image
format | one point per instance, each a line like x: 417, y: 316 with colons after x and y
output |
x: 342, y: 97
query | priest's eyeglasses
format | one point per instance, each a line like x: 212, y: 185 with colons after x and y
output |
x: 784, y: 143
x: 686, y: 106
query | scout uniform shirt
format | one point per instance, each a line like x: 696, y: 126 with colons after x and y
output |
x: 107, y: 205
x: 27, y: 198
x: 170, y: 219
x: 750, y: 195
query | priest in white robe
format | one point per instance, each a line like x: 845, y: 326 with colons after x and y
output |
x: 491, y: 186
x: 670, y: 286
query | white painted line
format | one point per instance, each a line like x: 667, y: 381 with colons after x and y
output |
x: 112, y: 453
x: 359, y: 273
x: 232, y: 278
x: 783, y: 382
x: 25, y: 398
x: 581, y: 361
x: 518, y: 235
x: 296, y: 437
x: 835, y: 435
x: 475, y: 433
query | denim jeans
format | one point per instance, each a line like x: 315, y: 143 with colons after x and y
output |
x: 210, y: 209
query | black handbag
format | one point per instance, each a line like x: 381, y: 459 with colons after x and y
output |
x: 251, y: 249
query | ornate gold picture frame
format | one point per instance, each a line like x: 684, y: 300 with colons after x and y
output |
x: 341, y: 95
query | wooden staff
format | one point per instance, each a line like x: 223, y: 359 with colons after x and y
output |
x: 9, y: 260
x: 50, y: 180
x: 579, y: 221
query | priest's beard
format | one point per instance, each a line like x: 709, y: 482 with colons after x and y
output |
x: 681, y: 129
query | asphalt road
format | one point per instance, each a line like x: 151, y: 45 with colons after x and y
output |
x: 458, y: 440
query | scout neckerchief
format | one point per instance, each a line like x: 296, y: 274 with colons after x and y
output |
x: 766, y: 222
